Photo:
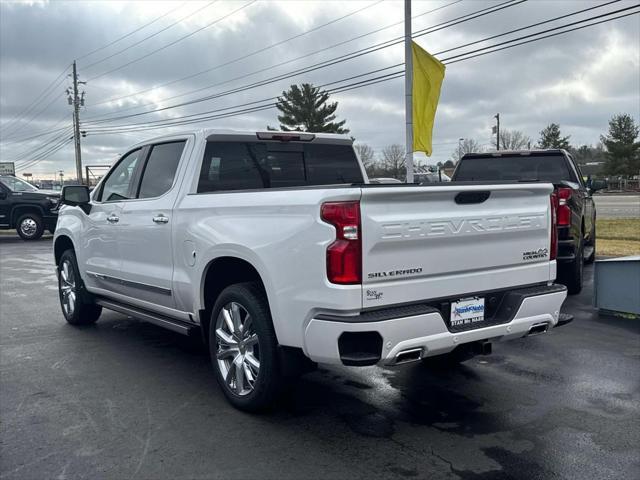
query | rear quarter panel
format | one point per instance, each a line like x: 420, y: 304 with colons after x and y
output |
x: 280, y: 233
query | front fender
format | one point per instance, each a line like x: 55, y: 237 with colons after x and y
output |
x: 70, y: 225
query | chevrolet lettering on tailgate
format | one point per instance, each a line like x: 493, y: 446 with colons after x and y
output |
x: 431, y: 228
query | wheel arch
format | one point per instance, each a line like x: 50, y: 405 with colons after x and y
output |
x: 234, y: 270
x: 20, y: 210
x: 62, y: 244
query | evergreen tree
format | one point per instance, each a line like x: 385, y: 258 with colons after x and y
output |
x: 623, y: 151
x: 550, y: 137
x: 305, y: 108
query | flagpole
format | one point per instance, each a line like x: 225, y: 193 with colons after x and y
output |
x: 408, y: 90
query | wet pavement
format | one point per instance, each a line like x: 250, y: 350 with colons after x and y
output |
x: 125, y: 399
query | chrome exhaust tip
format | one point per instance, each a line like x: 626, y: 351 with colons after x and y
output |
x: 538, y: 328
x: 407, y: 356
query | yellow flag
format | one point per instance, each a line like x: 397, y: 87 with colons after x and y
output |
x: 428, y: 73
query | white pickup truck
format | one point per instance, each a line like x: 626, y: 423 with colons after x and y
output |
x: 275, y: 248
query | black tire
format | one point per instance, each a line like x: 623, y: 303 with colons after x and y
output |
x: 268, y: 384
x: 30, y: 226
x: 84, y: 310
x: 592, y: 243
x: 571, y: 274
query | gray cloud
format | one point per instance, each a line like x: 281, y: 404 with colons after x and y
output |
x: 578, y: 80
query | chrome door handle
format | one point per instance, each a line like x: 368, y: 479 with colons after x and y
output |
x: 113, y: 218
x: 160, y: 219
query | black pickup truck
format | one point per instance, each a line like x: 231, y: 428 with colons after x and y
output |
x: 575, y: 210
x: 26, y: 208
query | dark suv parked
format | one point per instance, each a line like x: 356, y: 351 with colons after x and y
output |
x: 26, y: 208
x: 575, y: 210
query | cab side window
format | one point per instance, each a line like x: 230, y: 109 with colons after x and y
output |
x: 118, y: 184
x: 160, y: 169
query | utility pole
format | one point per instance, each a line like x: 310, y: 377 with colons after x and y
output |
x: 76, y: 101
x: 460, y: 140
x: 497, y: 117
x: 408, y: 91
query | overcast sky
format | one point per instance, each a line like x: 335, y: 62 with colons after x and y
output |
x: 578, y: 80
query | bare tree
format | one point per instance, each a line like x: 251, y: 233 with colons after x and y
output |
x: 468, y: 145
x: 393, y: 161
x: 367, y: 157
x: 512, y: 140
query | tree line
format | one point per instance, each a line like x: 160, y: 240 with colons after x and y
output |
x: 618, y: 151
x: 307, y: 108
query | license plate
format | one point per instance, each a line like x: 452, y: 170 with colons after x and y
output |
x: 467, y: 312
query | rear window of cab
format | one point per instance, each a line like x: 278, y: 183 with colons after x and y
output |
x: 542, y: 168
x: 262, y: 165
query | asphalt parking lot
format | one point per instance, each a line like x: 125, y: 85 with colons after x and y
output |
x: 125, y: 399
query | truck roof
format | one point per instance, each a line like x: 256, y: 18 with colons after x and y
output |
x: 500, y: 153
x: 251, y: 135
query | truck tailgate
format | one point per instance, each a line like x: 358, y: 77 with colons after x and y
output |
x: 433, y: 242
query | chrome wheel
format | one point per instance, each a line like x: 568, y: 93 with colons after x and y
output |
x: 237, y: 349
x: 28, y: 227
x: 67, y: 288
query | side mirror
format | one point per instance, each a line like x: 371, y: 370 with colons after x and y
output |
x: 75, y: 195
x: 598, y: 185
x: 3, y: 194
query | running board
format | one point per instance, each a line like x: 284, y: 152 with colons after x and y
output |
x: 155, y: 318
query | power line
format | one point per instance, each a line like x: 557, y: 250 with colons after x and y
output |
x: 31, y: 137
x: 398, y: 39
x: 239, y: 89
x: 600, y: 5
x: 325, y: 63
x: 42, y: 156
x: 251, y: 2
x: 33, y: 150
x: 452, y: 59
x: 33, y: 117
x: 61, y: 75
x: 38, y: 133
x: 272, y: 98
x: 61, y: 141
x: 45, y: 93
x: 394, y: 75
x: 261, y: 50
x: 149, y: 36
x: 316, y: 28
x: 168, y: 12
x: 368, y: 50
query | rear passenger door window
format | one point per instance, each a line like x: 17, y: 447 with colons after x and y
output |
x: 160, y: 169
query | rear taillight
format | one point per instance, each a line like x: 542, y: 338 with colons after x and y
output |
x: 563, y: 211
x: 553, y: 246
x: 344, y: 255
